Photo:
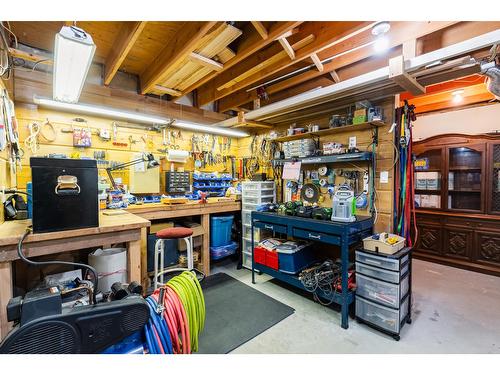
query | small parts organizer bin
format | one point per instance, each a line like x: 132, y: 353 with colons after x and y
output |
x: 254, y: 194
x: 383, y: 293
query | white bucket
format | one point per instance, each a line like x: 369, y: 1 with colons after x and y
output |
x: 111, y: 266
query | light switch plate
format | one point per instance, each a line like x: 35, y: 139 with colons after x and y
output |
x: 352, y: 142
x: 384, y: 177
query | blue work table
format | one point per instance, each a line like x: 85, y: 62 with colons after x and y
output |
x: 325, y: 231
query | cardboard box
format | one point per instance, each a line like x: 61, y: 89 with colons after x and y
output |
x: 198, y: 231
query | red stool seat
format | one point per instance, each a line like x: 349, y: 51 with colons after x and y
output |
x: 175, y: 232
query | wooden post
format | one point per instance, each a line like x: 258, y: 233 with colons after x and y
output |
x: 134, y: 260
x: 144, y: 258
x: 5, y: 295
x: 205, y: 250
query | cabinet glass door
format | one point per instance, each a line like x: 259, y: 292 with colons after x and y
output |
x: 428, y: 179
x: 495, y: 178
x: 464, y: 179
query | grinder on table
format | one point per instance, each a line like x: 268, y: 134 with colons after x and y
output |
x: 64, y: 194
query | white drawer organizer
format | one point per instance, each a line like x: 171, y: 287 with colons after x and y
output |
x: 253, y: 194
x: 383, y: 290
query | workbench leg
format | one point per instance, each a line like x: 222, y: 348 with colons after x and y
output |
x: 205, y: 249
x: 144, y: 258
x: 345, y: 289
x: 5, y: 294
x: 134, y: 260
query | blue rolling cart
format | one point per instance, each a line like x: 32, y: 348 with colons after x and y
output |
x: 329, y: 232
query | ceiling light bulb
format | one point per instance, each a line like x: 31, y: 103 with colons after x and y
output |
x: 381, y: 44
x: 457, y: 96
x: 381, y: 28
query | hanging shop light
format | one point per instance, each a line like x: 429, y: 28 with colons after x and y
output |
x: 73, y: 53
x: 133, y: 117
x: 379, y: 30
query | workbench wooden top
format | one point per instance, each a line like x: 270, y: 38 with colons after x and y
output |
x: 11, y: 231
x: 194, y: 205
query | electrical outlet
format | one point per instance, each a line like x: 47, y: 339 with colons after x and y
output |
x: 384, y: 177
x: 352, y: 142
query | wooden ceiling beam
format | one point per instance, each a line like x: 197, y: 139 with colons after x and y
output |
x: 167, y: 90
x: 205, y: 61
x: 249, y: 46
x: 316, y: 60
x: 287, y: 47
x: 177, y: 49
x: 400, y: 32
x: 124, y: 42
x: 325, y: 35
x: 261, y: 29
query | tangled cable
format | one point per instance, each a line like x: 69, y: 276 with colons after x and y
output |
x: 325, y: 277
x: 177, y: 316
x: 31, y: 141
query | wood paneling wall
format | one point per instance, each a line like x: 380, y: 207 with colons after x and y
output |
x: 384, y: 154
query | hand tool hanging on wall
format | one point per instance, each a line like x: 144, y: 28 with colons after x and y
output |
x: 12, y: 134
x: 404, y: 197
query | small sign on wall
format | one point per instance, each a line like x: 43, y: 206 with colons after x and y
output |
x: 421, y: 164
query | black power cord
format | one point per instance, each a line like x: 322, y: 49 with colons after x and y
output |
x: 46, y: 263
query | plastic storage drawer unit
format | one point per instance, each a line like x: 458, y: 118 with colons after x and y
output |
x: 381, y: 274
x: 295, y: 256
x: 380, y: 291
x: 380, y: 261
x: 388, y: 319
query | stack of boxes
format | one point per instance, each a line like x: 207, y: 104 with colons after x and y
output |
x: 299, y: 148
x: 428, y: 181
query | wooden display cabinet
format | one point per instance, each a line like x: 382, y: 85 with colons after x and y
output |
x: 457, y: 199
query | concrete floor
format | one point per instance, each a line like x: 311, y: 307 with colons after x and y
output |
x: 454, y: 311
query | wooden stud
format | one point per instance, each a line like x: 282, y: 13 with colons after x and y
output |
x: 124, y: 42
x: 5, y: 294
x: 28, y: 56
x: 398, y: 74
x: 253, y: 124
x: 134, y: 260
x: 335, y: 76
x: 178, y: 49
x: 261, y: 29
x: 287, y: 47
x: 205, y: 61
x: 256, y: 103
x: 317, y: 62
x: 410, y: 49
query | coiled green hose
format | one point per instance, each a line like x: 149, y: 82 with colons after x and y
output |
x: 188, y: 289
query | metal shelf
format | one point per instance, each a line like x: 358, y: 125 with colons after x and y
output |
x: 325, y: 159
x: 340, y: 129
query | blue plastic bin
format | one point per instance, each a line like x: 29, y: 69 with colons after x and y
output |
x: 293, y: 259
x: 220, y: 252
x: 220, y: 230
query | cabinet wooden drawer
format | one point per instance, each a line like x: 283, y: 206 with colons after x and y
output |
x: 316, y: 236
x: 269, y: 226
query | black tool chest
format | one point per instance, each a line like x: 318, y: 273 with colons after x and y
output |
x: 383, y: 290
x: 177, y: 183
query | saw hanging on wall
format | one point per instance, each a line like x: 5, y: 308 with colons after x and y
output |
x: 310, y: 193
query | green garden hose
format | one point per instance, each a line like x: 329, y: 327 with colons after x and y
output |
x: 188, y: 289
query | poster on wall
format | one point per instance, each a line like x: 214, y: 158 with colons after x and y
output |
x: 421, y: 164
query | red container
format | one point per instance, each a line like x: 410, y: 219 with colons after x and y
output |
x: 259, y: 255
x: 272, y: 260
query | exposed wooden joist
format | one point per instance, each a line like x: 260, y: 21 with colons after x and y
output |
x: 334, y: 76
x: 27, y: 56
x: 205, y: 61
x: 315, y: 59
x: 325, y: 35
x: 400, y: 32
x: 177, y: 49
x: 124, y: 42
x: 261, y: 29
x: 250, y: 45
x: 167, y: 90
x: 287, y: 47
x: 242, y: 122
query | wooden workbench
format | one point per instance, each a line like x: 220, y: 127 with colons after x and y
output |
x: 125, y: 228
x: 158, y: 211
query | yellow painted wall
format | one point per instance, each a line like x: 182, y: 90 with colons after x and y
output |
x: 64, y: 142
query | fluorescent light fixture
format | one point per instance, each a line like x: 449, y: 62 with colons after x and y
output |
x: 73, y: 53
x: 209, y: 129
x: 133, y: 117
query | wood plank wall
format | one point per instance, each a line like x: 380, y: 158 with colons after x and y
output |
x: 384, y: 161
x: 64, y: 142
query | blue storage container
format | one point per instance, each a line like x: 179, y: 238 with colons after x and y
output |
x: 220, y: 252
x: 294, y: 256
x: 220, y: 230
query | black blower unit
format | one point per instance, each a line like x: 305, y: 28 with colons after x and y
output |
x: 45, y: 329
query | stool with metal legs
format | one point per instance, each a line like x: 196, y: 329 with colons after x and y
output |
x: 171, y: 234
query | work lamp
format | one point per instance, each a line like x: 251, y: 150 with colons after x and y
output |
x: 73, y: 53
